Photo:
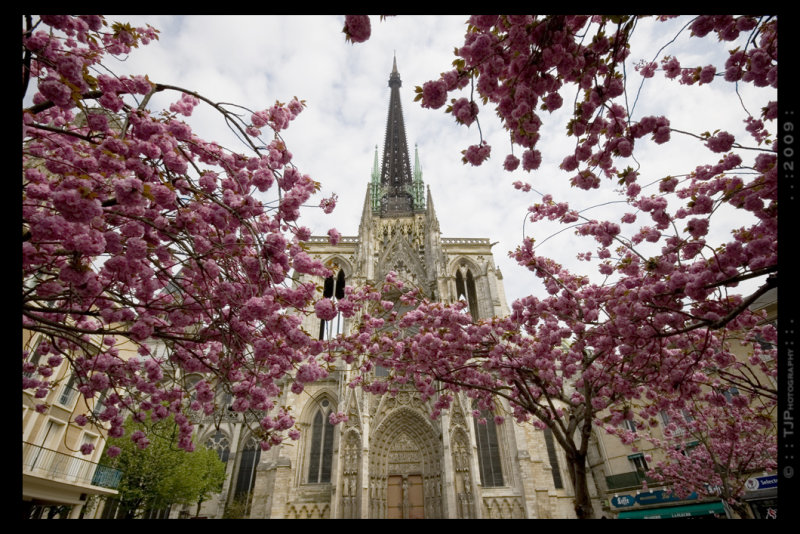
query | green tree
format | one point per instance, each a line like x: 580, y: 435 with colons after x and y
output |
x: 161, y: 473
x: 196, y: 478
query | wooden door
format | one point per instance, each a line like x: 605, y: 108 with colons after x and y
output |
x: 405, y: 497
x: 394, y: 498
x: 416, y: 497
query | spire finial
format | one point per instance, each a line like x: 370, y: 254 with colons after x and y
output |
x: 394, y: 77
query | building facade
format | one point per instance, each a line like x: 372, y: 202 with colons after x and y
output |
x: 390, y: 459
x: 58, y: 481
x: 619, y: 469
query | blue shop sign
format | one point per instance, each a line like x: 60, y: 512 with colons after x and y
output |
x: 647, y: 498
x: 623, y: 501
x: 761, y: 483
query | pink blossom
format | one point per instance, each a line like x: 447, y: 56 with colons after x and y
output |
x: 357, y: 28
x: 707, y: 74
x: 531, y: 159
x: 721, y: 142
x: 671, y: 67
x: 476, y: 154
x: 523, y: 186
x: 325, y: 309
x: 465, y: 111
x: 334, y: 236
x: 511, y: 163
x: 328, y: 204
x: 434, y: 94
x: 646, y: 69
x: 338, y: 417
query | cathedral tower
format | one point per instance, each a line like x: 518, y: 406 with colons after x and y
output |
x: 390, y: 459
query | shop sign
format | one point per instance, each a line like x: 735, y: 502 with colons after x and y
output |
x: 647, y: 498
x: 761, y: 483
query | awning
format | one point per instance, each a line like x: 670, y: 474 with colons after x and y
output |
x: 691, y: 510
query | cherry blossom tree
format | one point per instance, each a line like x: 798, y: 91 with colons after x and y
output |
x: 657, y: 323
x: 556, y: 372
x: 715, y: 443
x: 138, y: 232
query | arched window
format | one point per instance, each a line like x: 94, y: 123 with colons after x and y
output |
x: 247, y: 469
x: 465, y: 288
x: 553, y: 457
x: 332, y: 289
x: 488, y: 450
x: 320, y: 457
x: 219, y: 442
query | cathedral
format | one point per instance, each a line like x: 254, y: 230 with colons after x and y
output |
x: 390, y: 459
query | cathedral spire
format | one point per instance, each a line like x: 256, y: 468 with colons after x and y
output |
x: 396, y: 178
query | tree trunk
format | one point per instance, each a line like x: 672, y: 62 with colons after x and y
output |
x: 199, y: 503
x: 578, y: 477
x: 740, y: 510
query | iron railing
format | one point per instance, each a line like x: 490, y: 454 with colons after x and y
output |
x: 62, y: 467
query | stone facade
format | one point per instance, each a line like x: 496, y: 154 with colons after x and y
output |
x: 390, y: 459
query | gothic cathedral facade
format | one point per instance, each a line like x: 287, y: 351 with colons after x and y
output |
x: 390, y: 459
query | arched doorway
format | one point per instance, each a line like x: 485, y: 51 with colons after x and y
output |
x: 405, y: 468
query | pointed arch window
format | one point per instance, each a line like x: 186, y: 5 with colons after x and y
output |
x: 488, y: 450
x: 552, y: 455
x: 320, y: 457
x: 247, y: 469
x: 333, y: 288
x: 219, y: 442
x: 465, y: 288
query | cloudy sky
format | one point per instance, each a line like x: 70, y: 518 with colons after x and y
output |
x: 255, y: 60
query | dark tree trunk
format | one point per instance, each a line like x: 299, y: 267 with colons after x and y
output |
x: 578, y: 476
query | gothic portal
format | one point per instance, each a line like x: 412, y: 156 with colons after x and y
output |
x: 390, y: 459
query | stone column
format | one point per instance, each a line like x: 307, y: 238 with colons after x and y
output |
x: 448, y: 484
x: 363, y: 484
x: 282, y: 482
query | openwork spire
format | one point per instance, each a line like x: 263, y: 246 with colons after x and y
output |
x: 396, y: 181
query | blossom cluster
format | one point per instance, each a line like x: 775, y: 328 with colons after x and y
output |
x: 147, y: 256
x: 657, y: 332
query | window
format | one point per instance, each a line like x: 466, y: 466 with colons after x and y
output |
x: 764, y: 344
x: 679, y: 422
x: 34, y: 357
x: 465, y: 288
x: 98, y: 405
x: 219, y: 442
x: 687, y: 450
x: 247, y: 469
x: 68, y: 392
x: 81, y: 467
x: 730, y: 393
x: 43, y: 457
x: 488, y: 451
x: 629, y: 424
x: 320, y: 457
x: 664, y: 417
x: 332, y: 289
x: 639, y: 463
x: 553, y: 456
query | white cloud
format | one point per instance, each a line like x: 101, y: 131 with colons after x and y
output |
x: 255, y: 60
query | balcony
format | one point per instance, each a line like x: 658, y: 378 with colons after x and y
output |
x: 630, y: 480
x: 60, y: 467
